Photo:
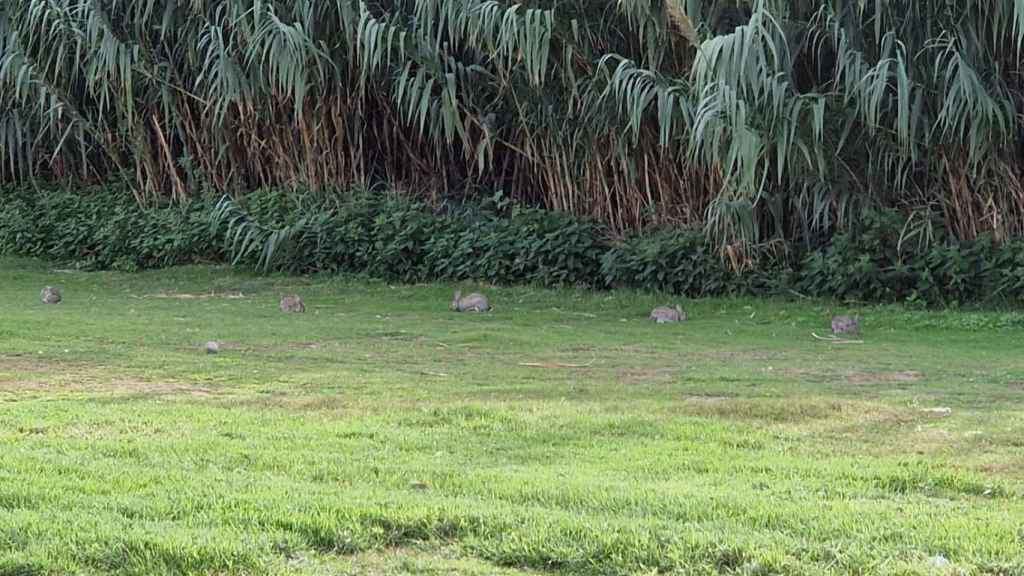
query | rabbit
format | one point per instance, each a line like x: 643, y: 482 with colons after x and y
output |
x: 472, y: 303
x: 212, y: 347
x: 292, y: 303
x: 845, y: 325
x: 663, y: 314
x: 50, y: 295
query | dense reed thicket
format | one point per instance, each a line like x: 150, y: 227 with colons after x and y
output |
x: 760, y: 121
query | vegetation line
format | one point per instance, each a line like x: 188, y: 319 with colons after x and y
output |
x: 759, y: 121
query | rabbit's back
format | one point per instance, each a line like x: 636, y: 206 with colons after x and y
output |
x: 663, y: 314
x: 50, y: 295
x: 474, y: 303
x: 845, y: 325
x: 292, y: 304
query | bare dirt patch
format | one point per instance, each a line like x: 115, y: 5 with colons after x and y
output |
x: 407, y: 560
x: 119, y: 387
x: 899, y: 377
x: 637, y: 376
x: 296, y: 402
x: 30, y: 374
x: 1004, y: 469
x: 305, y: 346
x: 131, y: 386
x: 186, y: 296
x: 706, y: 399
x: 854, y: 377
x: 635, y: 351
x: 28, y: 363
x: 580, y: 349
x: 823, y: 414
x: 735, y: 357
x: 9, y: 385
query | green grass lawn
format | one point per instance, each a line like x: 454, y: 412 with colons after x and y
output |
x: 381, y: 434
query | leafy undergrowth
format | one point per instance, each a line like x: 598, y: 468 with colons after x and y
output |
x: 381, y: 434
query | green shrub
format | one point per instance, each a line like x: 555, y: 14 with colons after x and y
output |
x: 103, y: 229
x: 872, y: 266
x: 681, y: 261
x: 397, y: 238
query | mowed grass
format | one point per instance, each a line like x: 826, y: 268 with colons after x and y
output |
x: 381, y: 434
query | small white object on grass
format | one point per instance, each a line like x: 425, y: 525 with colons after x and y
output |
x: 212, y: 347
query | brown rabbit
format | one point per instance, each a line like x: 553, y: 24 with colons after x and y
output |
x: 663, y: 314
x: 845, y: 325
x: 292, y: 304
x: 471, y: 303
x: 50, y: 295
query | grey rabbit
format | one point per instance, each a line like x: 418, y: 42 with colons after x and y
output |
x: 663, y: 314
x: 471, y: 303
x: 50, y: 295
x: 292, y: 303
x: 845, y: 325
